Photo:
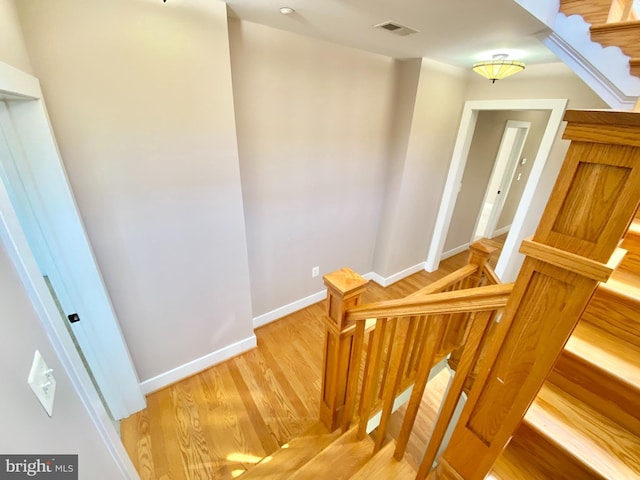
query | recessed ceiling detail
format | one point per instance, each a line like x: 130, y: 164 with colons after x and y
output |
x: 396, y: 28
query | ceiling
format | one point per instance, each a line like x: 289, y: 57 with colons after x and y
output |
x: 458, y: 32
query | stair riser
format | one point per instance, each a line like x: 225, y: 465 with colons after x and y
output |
x: 615, y: 314
x: 617, y: 401
x: 549, y: 458
x: 631, y: 243
x: 618, y: 35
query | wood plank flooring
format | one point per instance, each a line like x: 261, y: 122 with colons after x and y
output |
x: 222, y: 421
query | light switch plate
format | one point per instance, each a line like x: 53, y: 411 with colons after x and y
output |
x: 42, y: 382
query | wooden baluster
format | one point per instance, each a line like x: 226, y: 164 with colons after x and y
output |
x: 470, y: 352
x: 417, y: 346
x: 398, y: 360
x: 353, y: 376
x: 393, y: 325
x: 344, y: 291
x: 435, y: 332
x: 479, y: 254
x: 595, y: 196
x: 370, y: 384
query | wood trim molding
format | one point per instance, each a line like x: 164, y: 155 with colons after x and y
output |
x: 574, y: 263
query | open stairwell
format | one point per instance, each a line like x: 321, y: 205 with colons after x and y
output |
x: 319, y: 454
x: 550, y: 364
x: 585, y: 421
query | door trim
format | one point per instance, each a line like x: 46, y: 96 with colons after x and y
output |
x: 15, y: 82
x: 525, y: 221
x: 511, y: 124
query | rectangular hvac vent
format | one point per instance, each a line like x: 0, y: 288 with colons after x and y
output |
x: 396, y: 28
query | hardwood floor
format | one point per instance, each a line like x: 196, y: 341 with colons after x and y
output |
x: 220, y: 422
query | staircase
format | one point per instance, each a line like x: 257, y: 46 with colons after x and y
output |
x: 318, y: 454
x: 585, y: 422
x: 613, y: 24
x: 584, y: 34
x: 565, y: 346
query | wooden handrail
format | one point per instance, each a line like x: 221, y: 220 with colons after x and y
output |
x: 490, y: 297
x: 490, y: 275
x: 446, y: 282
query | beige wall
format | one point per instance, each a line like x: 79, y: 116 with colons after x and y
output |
x: 410, y: 218
x: 406, y: 79
x: 482, y: 155
x: 12, y: 47
x: 538, y: 120
x: 140, y: 99
x: 26, y: 428
x: 313, y: 133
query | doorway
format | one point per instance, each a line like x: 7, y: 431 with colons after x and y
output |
x: 502, y: 174
x: 48, y: 244
x: 534, y: 193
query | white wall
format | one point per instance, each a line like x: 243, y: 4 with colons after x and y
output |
x: 313, y: 133
x: 415, y: 201
x: 140, y: 99
x: 26, y: 428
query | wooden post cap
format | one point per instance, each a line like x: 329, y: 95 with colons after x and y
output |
x: 345, y: 280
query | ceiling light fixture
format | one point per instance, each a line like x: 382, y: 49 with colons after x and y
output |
x: 286, y: 10
x: 498, y: 68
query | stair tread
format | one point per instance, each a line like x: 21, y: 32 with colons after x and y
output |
x: 383, y: 465
x: 604, y: 351
x: 586, y: 435
x: 293, y: 455
x: 342, y: 458
x: 624, y: 283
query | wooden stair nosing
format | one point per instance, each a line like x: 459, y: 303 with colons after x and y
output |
x: 383, y: 465
x: 343, y: 457
x: 592, y: 441
x: 298, y: 451
x: 618, y: 34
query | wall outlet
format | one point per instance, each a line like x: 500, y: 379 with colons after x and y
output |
x: 315, y: 271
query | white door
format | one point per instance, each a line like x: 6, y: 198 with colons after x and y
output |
x: 33, y: 176
x: 504, y: 168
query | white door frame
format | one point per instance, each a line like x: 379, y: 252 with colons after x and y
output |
x: 498, y: 173
x: 32, y: 117
x: 509, y: 263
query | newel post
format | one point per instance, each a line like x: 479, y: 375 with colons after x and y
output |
x: 574, y: 248
x: 479, y: 254
x: 344, y: 291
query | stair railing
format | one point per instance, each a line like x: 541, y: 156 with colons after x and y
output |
x: 369, y: 348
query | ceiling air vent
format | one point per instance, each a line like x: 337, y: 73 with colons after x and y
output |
x: 396, y: 28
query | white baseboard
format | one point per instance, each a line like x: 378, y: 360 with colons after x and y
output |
x: 386, y: 281
x: 194, y: 366
x: 454, y: 251
x: 500, y: 231
x: 278, y: 313
x: 288, y: 309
